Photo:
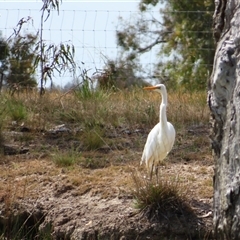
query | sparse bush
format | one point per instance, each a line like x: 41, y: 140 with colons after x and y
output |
x: 159, y: 198
x: 118, y: 75
x: 22, y: 69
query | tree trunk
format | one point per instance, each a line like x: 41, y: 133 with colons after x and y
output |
x: 224, y: 103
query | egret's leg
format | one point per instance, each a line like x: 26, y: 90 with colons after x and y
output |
x: 151, y: 172
x: 156, y: 172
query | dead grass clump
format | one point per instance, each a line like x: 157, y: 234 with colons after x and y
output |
x: 160, y: 199
x: 93, y: 163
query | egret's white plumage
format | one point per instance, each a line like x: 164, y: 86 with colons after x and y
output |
x: 161, y: 138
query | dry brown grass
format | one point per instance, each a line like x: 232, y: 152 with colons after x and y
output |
x: 130, y: 108
x: 104, y: 120
x: 107, y: 134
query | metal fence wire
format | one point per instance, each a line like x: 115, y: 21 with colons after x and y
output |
x: 92, y: 32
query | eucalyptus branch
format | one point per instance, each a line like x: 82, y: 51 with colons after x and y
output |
x: 150, y: 46
x: 59, y: 58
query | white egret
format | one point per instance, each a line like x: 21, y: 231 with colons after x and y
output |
x: 161, y: 138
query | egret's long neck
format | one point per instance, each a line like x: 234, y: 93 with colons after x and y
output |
x: 164, y: 97
x: 163, y: 107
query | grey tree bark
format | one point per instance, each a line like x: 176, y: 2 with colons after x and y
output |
x: 224, y: 103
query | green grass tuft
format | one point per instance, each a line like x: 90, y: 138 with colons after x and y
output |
x: 93, y: 137
x: 66, y: 159
x: 17, y: 110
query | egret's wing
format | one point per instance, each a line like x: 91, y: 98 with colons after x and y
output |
x: 151, y: 148
x: 159, y: 143
x: 171, y: 136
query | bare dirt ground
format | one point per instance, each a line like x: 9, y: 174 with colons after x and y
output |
x: 93, y: 198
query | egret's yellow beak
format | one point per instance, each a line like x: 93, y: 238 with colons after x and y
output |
x: 150, y: 88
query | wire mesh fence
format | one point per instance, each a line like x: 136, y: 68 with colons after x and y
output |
x: 92, y: 32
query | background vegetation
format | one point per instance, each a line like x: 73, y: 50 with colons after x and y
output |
x: 22, y: 54
x: 182, y: 39
x: 180, y: 35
